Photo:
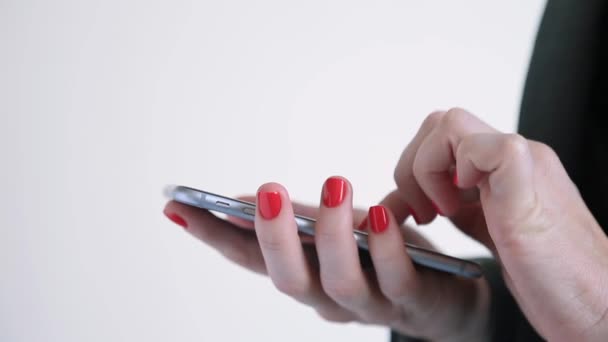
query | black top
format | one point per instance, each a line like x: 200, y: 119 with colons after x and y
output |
x: 565, y: 97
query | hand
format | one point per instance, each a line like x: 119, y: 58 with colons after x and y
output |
x: 527, y: 211
x: 328, y: 277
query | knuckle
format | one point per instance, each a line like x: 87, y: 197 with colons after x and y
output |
x: 417, y: 168
x: 405, y: 290
x: 421, y: 173
x: 396, y: 292
x: 292, y: 288
x: 237, y: 256
x: 336, y: 316
x: 398, y: 177
x: 326, y: 235
x: 341, y: 290
x: 376, y: 313
x: 515, y: 145
x: 270, y: 243
x: 544, y: 153
x: 455, y: 117
x: 369, y: 318
x: 402, y: 176
x: 432, y: 120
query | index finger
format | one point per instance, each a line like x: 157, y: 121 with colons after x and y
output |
x: 416, y: 202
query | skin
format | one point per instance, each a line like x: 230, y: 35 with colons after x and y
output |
x: 511, y: 194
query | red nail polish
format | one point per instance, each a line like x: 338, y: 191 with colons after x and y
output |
x: 363, y: 225
x: 378, y: 218
x: 414, y: 215
x: 334, y: 191
x: 269, y: 204
x: 436, y: 208
x: 455, y: 179
x: 176, y: 219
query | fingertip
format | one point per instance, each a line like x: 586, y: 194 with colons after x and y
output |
x: 272, y: 187
x: 272, y: 201
x: 176, y: 218
x: 178, y: 213
x: 174, y: 207
x: 423, y: 215
x: 363, y: 224
x: 335, y: 190
x: 193, y: 216
x: 379, y: 219
x: 170, y: 206
x: 436, y: 208
x: 338, y: 177
x: 398, y: 207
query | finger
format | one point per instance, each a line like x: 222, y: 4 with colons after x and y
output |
x: 235, y: 244
x: 301, y: 210
x: 502, y: 166
x: 298, y: 208
x: 397, y: 277
x: 283, y: 253
x: 393, y: 201
x: 419, y: 293
x: 435, y: 159
x: 341, y: 275
x: 418, y: 205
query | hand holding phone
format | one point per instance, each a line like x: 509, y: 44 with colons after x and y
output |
x: 325, y: 271
x: 246, y: 210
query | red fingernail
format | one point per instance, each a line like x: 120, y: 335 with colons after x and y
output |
x: 176, y: 219
x: 269, y: 204
x: 414, y: 215
x: 378, y: 218
x: 334, y: 191
x: 363, y: 224
x: 455, y: 179
x: 436, y: 208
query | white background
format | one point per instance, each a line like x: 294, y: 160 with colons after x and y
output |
x: 102, y: 103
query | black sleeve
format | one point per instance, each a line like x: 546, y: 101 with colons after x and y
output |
x: 507, y: 322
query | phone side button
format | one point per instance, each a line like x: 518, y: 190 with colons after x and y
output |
x: 249, y: 211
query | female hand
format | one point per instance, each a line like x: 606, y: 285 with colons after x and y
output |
x: 328, y: 277
x: 527, y: 211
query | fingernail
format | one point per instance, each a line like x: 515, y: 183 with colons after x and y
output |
x: 363, y: 224
x: 414, y: 215
x: 436, y: 208
x: 455, y: 179
x: 378, y: 218
x: 334, y: 191
x: 176, y: 219
x: 269, y: 204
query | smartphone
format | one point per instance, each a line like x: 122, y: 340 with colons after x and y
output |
x: 246, y: 210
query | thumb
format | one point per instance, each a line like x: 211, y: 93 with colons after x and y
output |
x: 501, y: 165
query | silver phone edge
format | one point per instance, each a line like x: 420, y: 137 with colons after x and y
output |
x: 233, y: 207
